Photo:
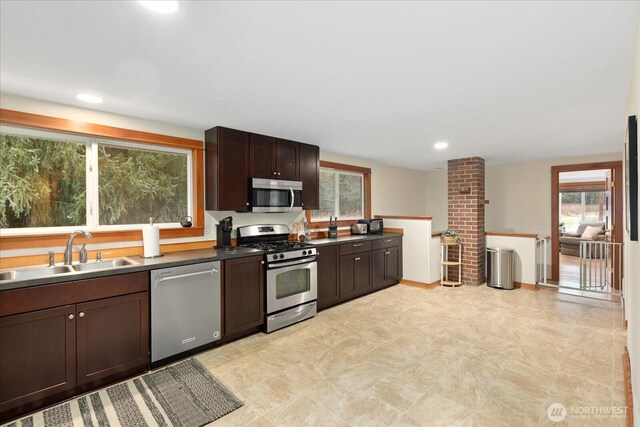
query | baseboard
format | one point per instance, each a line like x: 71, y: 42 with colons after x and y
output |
x: 527, y: 286
x: 628, y: 391
x: 420, y: 284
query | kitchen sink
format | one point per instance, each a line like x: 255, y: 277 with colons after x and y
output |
x: 34, y: 273
x: 105, y: 264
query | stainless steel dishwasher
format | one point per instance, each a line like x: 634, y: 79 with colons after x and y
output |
x: 185, y: 309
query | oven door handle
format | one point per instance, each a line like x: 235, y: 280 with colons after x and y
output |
x: 290, y: 263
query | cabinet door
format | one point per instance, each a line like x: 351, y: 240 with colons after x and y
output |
x: 347, y: 276
x: 37, y: 356
x: 113, y: 337
x: 233, y: 170
x: 309, y: 166
x: 243, y: 294
x: 328, y: 289
x: 262, y: 156
x: 392, y: 265
x: 287, y: 160
x: 379, y: 268
x: 362, y: 272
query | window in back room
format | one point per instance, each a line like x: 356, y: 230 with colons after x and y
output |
x: 52, y: 181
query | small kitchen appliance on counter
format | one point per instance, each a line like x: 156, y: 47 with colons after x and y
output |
x: 291, y: 273
x: 333, y: 227
x: 374, y: 225
x: 359, y: 228
x: 223, y: 233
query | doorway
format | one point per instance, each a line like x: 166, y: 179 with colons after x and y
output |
x: 585, y: 198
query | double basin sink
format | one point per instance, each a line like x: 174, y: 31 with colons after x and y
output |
x: 27, y: 273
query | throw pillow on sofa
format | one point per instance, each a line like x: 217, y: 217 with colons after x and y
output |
x: 591, y: 232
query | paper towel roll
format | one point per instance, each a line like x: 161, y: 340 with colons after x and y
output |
x: 151, y: 240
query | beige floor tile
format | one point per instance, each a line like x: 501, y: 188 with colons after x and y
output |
x: 409, y: 357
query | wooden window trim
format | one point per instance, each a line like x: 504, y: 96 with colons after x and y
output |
x: 19, y: 118
x: 366, y: 173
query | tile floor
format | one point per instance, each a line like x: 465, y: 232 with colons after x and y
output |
x: 409, y: 356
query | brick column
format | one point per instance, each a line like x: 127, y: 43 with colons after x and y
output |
x: 466, y: 214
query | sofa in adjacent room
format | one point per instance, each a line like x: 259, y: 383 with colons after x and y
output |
x: 570, y: 242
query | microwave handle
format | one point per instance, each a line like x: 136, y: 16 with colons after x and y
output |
x: 292, y: 199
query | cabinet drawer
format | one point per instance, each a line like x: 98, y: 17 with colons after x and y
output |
x: 355, y: 247
x: 386, y: 242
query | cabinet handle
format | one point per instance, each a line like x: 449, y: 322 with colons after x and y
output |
x: 247, y: 203
x: 275, y: 173
x: 262, y: 262
x: 278, y: 173
x: 357, y: 258
x: 387, y: 241
x: 358, y: 245
x: 81, y: 314
x: 71, y: 317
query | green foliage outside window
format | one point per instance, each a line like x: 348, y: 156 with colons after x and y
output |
x: 43, y: 184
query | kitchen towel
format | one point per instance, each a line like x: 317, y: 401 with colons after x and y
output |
x: 151, y: 240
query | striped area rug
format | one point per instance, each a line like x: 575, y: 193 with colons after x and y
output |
x: 185, y: 394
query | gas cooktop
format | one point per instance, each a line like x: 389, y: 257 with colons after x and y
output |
x: 279, y: 246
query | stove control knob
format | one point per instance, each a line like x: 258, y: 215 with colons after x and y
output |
x: 275, y: 257
x: 304, y: 252
x: 281, y: 256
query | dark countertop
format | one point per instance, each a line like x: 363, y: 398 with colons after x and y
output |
x: 347, y: 239
x: 170, y: 259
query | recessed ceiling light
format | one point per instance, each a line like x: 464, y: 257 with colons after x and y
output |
x: 166, y: 6
x: 86, y: 97
x: 440, y: 145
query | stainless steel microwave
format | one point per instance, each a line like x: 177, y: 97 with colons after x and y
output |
x: 275, y: 195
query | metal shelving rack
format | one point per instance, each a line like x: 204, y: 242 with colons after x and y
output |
x: 445, y: 264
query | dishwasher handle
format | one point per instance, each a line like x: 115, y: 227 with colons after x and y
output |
x: 160, y: 279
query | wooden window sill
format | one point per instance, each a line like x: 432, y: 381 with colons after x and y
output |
x: 60, y: 239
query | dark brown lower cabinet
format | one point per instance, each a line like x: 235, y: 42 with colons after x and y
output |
x: 385, y: 267
x: 243, y: 294
x: 350, y: 270
x: 113, y: 336
x: 94, y: 335
x: 37, y: 356
x: 355, y: 274
x: 328, y: 289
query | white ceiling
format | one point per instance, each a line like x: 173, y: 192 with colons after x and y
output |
x: 507, y: 81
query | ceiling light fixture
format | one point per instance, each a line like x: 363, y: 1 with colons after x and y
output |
x: 440, y: 145
x: 92, y: 99
x: 166, y: 6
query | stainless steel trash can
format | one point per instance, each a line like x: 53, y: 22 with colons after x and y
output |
x: 500, y: 268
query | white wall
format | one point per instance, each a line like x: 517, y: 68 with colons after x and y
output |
x: 83, y: 114
x: 524, y: 258
x: 519, y: 194
x: 436, y: 198
x: 394, y: 190
x: 416, y: 250
x: 631, y: 281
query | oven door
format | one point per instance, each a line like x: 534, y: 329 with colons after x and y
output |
x: 291, y: 283
x: 268, y: 195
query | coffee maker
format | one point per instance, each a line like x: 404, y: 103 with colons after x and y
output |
x: 223, y: 233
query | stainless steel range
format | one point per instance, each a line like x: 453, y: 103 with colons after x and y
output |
x: 292, y: 273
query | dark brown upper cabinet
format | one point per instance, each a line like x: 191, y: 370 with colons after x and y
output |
x: 309, y: 167
x: 233, y: 157
x: 271, y: 157
x: 227, y: 169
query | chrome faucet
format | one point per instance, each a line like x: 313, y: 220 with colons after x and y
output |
x: 68, y: 252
